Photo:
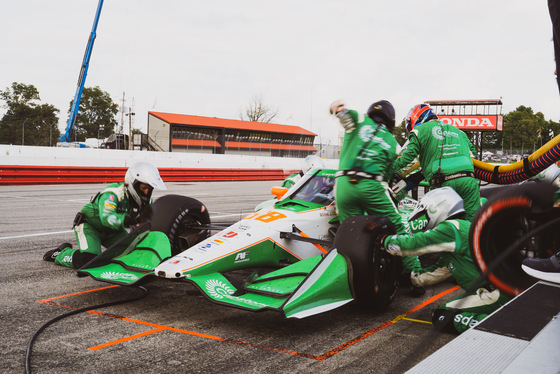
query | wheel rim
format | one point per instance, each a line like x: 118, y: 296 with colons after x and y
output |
x: 187, y: 236
x: 385, y: 265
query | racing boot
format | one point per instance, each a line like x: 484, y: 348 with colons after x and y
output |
x: 416, y: 291
x: 547, y: 269
x: 406, y: 283
x: 50, y: 255
x: 442, y: 320
x: 454, y: 321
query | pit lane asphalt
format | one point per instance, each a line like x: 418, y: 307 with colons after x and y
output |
x: 174, y: 329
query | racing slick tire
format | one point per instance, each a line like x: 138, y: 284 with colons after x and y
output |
x: 175, y: 216
x: 373, y: 273
x: 501, y: 221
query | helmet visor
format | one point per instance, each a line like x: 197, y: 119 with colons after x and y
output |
x: 420, y: 210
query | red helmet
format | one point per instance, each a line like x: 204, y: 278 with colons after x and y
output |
x: 418, y: 115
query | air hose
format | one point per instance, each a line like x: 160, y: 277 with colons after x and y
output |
x: 533, y: 157
x: 77, y: 311
x: 521, y: 170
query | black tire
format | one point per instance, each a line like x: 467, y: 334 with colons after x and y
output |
x: 374, y: 274
x: 493, y: 190
x: 501, y: 221
x: 175, y: 215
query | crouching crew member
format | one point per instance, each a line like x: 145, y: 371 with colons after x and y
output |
x: 446, y: 233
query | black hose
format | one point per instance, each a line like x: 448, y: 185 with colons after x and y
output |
x: 48, y: 323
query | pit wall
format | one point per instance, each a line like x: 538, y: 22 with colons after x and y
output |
x: 52, y: 165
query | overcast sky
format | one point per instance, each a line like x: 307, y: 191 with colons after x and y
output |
x: 210, y: 58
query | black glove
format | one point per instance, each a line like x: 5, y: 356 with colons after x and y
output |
x: 129, y: 221
x: 378, y: 241
x: 414, y: 180
x: 382, y: 241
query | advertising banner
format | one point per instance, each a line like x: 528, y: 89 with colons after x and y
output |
x: 475, y: 122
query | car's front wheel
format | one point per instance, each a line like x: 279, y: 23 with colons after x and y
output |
x: 180, y: 218
x: 374, y: 273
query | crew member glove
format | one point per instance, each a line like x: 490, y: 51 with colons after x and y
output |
x: 129, y: 221
x: 381, y: 240
x: 336, y: 107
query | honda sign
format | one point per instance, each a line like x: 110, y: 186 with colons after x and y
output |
x: 474, y: 123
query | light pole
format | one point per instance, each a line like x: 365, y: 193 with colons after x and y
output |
x: 130, y: 114
x: 50, y: 132
x: 23, y: 131
x: 100, y: 127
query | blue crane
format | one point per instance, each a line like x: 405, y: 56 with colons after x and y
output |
x: 81, y: 79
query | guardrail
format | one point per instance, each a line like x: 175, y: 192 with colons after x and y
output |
x: 17, y: 175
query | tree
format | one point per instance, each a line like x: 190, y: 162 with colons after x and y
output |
x: 47, y: 132
x: 25, y: 122
x: 551, y: 129
x: 491, y: 140
x: 257, y: 111
x: 521, y: 128
x: 400, y: 133
x: 96, y: 115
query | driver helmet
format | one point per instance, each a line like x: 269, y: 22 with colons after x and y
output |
x: 312, y: 162
x: 418, y: 115
x: 142, y: 172
x: 383, y: 112
x: 438, y: 205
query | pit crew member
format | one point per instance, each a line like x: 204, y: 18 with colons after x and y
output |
x: 103, y: 221
x: 446, y: 233
x: 366, y: 165
x: 445, y: 154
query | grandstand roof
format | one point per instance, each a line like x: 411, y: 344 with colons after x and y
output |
x: 465, y: 102
x: 184, y: 119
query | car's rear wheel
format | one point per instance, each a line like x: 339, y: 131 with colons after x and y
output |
x: 374, y: 274
x: 180, y: 218
x: 501, y: 222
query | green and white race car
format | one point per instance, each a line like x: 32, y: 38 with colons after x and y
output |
x: 307, y: 261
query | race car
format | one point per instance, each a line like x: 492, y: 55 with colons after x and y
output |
x: 307, y: 261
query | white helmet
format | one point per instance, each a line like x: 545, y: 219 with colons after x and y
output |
x: 438, y: 205
x: 312, y: 162
x: 549, y: 176
x: 142, y: 172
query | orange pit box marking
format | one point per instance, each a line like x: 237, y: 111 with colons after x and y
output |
x: 157, y: 328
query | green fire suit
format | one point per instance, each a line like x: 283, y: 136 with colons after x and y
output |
x: 102, y: 223
x: 292, y: 179
x: 368, y: 147
x: 441, y: 146
x: 451, y: 239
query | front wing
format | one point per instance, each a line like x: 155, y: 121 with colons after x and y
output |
x: 311, y: 286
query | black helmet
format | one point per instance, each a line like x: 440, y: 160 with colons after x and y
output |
x: 383, y: 112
